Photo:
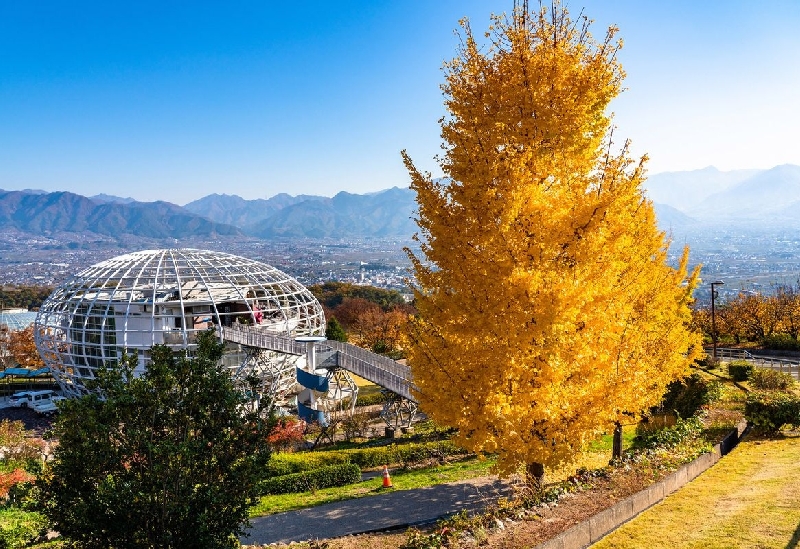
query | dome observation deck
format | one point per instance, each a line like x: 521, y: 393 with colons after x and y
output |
x: 131, y: 302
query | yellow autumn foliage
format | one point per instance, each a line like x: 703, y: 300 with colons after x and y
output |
x: 547, y: 308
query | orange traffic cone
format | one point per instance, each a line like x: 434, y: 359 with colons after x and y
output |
x: 387, y: 480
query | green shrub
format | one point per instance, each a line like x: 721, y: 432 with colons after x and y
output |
x: 281, y: 464
x: 355, y: 425
x: 739, y: 370
x: 783, y: 342
x: 771, y: 380
x: 430, y: 430
x: 668, y: 437
x: 20, y: 528
x: 370, y: 399
x: 685, y: 397
x: 404, y: 454
x: 768, y: 411
x: 22, y: 496
x: 325, y: 477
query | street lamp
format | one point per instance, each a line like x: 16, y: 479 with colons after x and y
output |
x: 713, y: 318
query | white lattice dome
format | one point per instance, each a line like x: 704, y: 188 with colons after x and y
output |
x: 131, y: 302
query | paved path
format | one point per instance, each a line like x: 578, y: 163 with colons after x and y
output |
x: 396, y: 509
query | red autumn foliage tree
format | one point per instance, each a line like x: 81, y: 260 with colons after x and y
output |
x: 287, y: 433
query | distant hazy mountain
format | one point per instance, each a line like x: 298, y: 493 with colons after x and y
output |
x: 102, y: 197
x: 234, y: 210
x: 31, y: 191
x: 385, y: 213
x: 765, y: 195
x: 670, y: 218
x: 685, y: 190
x: 68, y: 212
x: 791, y: 211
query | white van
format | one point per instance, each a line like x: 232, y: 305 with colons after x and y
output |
x: 38, y: 398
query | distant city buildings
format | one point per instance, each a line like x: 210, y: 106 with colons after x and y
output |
x: 375, y: 262
x: 747, y: 259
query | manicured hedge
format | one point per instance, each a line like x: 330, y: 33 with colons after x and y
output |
x: 404, y: 454
x: 783, y: 342
x: 370, y: 399
x: 768, y: 411
x: 324, y: 477
x: 740, y: 370
x: 288, y: 463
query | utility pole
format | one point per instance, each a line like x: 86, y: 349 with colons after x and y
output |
x: 713, y: 318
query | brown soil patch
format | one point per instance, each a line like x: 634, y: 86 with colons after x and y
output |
x: 547, y: 521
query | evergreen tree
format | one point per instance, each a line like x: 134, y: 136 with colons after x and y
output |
x: 547, y: 309
x: 334, y: 330
x: 168, y: 459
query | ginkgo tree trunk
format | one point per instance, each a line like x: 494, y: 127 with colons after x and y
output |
x: 548, y: 311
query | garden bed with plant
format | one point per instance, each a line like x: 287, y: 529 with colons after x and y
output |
x: 711, y: 403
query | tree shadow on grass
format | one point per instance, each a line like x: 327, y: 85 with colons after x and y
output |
x: 795, y: 539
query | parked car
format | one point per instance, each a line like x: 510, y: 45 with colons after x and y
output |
x: 19, y: 399
x: 36, y: 397
x: 45, y: 407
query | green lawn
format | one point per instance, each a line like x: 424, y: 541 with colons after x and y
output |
x: 597, y: 456
x: 401, y: 480
x: 751, y: 498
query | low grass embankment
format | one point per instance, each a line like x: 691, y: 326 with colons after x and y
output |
x: 408, y: 478
x: 749, y: 499
x: 401, y: 480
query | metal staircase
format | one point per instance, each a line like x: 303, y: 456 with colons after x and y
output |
x: 380, y: 370
x: 325, y: 378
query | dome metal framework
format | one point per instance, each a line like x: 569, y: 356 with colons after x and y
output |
x: 131, y: 302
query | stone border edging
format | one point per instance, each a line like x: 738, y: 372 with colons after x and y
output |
x: 596, y: 527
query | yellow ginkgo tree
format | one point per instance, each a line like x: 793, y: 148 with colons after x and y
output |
x: 548, y: 312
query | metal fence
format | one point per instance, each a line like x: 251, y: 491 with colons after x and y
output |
x: 789, y: 365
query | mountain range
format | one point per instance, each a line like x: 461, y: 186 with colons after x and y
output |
x: 46, y: 213
x: 385, y: 213
x: 682, y: 200
x: 741, y: 196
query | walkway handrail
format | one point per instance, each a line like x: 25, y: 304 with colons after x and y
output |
x: 734, y: 353
x: 782, y: 364
x: 262, y: 339
x: 378, y: 369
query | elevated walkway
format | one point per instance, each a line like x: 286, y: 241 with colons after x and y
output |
x: 380, y: 370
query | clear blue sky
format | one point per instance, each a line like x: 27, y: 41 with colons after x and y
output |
x: 177, y: 100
